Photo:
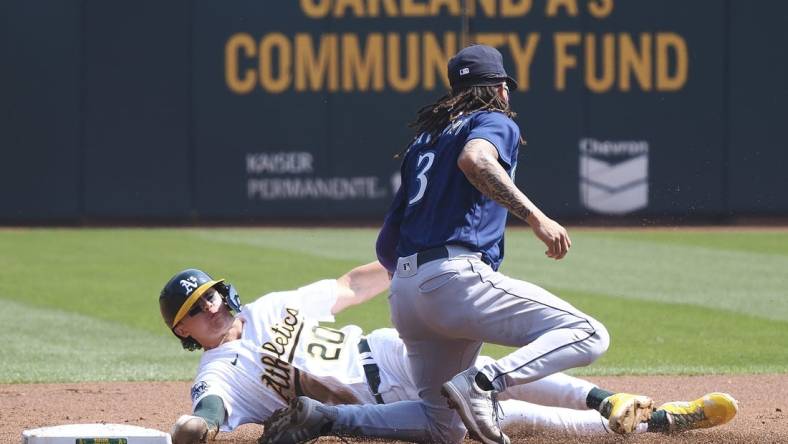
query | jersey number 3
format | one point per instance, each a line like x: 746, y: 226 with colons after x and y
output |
x: 422, y: 175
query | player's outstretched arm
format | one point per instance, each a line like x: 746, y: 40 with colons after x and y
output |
x: 360, y: 285
x: 479, y: 162
x: 204, y: 423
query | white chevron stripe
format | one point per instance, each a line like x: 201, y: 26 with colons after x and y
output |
x: 614, y: 175
x: 621, y: 202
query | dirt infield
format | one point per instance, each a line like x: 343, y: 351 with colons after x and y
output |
x: 762, y: 418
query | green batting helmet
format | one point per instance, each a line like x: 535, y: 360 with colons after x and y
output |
x: 184, y: 290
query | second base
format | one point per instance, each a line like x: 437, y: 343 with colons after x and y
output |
x: 95, y: 434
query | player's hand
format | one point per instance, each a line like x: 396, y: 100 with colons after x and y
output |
x: 189, y: 430
x: 553, y: 235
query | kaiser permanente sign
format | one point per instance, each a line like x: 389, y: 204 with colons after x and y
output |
x: 409, y: 59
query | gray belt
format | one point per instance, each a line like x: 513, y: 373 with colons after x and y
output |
x: 370, y: 369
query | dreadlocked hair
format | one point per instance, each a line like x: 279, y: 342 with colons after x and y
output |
x: 433, y: 119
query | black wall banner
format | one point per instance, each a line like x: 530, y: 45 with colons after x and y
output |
x: 757, y: 95
x: 248, y: 111
x: 136, y: 110
x: 40, y: 131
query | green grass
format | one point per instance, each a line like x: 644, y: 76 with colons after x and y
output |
x: 653, y: 337
x: 81, y: 304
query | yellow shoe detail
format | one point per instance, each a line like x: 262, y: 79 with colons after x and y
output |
x: 711, y: 410
x: 625, y: 411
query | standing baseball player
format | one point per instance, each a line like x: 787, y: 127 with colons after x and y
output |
x: 443, y: 240
x: 274, y: 350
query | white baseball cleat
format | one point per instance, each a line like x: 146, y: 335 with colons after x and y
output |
x: 476, y: 407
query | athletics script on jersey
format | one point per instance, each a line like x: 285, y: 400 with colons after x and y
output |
x: 277, y: 356
x: 322, y: 346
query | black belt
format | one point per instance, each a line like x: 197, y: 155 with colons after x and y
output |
x: 371, y: 370
x: 433, y: 254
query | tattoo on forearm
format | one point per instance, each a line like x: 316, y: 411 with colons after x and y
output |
x: 492, y: 180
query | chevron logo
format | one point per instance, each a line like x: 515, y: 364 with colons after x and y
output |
x: 613, y: 176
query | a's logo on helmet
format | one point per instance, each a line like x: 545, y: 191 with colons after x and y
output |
x: 189, y: 284
x: 198, y: 389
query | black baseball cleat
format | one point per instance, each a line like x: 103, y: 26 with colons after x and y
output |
x: 302, y: 420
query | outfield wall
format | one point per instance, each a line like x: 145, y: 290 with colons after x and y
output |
x: 192, y: 111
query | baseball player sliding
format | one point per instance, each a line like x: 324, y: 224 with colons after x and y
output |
x: 266, y: 354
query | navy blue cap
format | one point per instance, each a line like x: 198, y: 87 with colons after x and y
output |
x: 478, y: 65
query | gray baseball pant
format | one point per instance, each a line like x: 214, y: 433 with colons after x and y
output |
x: 445, y: 309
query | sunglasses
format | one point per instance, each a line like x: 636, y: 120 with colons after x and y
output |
x: 197, y: 307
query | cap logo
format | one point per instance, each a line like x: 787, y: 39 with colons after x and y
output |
x: 464, y: 71
x: 190, y: 284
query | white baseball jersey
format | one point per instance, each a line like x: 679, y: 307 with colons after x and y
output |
x: 283, y: 352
